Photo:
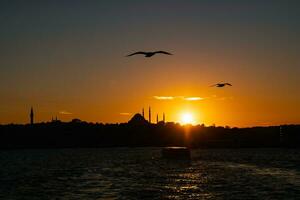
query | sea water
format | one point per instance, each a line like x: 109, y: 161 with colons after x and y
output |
x: 141, y: 173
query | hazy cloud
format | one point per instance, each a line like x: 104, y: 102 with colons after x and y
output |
x: 65, y: 112
x: 125, y: 113
x: 194, y: 98
x: 163, y: 97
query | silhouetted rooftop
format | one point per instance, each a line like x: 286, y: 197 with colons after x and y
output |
x: 138, y: 119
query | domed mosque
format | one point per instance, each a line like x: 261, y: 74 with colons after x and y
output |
x: 138, y: 119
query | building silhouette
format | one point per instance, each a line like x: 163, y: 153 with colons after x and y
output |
x: 139, y: 132
x: 31, y: 116
x: 138, y: 119
x: 56, y: 120
x: 149, y: 114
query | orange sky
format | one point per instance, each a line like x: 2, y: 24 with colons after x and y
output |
x: 70, y: 62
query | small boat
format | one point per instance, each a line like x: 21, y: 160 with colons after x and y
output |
x: 176, y: 153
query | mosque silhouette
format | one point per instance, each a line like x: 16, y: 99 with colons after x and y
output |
x: 141, y: 132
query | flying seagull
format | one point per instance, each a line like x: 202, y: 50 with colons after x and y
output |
x: 221, y: 85
x: 149, y: 54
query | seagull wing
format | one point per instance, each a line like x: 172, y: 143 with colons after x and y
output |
x: 138, y: 52
x: 228, y: 84
x: 164, y: 52
x: 213, y: 85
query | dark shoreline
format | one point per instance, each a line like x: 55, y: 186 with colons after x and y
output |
x: 88, y: 135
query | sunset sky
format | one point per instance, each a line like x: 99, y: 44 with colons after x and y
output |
x: 67, y: 59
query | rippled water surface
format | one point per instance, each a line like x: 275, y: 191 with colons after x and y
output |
x: 140, y: 173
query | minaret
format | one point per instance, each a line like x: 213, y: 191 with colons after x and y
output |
x: 143, y: 113
x: 149, y: 114
x: 164, y: 118
x: 31, y: 116
x: 157, y: 118
x: 280, y: 134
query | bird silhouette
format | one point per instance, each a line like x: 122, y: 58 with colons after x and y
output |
x: 221, y: 85
x: 149, y: 54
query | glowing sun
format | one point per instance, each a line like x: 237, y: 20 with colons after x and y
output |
x: 187, y: 118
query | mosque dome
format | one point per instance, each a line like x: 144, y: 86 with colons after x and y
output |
x: 138, y: 119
